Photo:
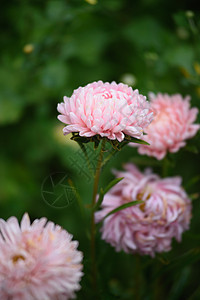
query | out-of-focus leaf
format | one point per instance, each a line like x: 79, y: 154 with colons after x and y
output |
x: 89, y: 44
x: 181, y: 19
x: 177, y: 288
x: 10, y: 109
x: 190, y: 257
x: 192, y: 148
x: 138, y: 31
x: 194, y: 196
x: 145, y: 161
x: 192, y: 181
x: 54, y: 75
x: 11, y: 103
x: 195, y: 295
x: 56, y: 10
x: 180, y: 56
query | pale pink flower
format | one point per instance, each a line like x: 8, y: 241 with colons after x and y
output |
x: 148, y: 227
x: 172, y: 125
x: 107, y: 109
x: 38, y: 261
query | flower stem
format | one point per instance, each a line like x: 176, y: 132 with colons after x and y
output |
x: 93, y: 231
x: 137, y: 277
x: 165, y: 165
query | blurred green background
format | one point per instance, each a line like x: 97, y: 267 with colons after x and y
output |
x: 49, y: 48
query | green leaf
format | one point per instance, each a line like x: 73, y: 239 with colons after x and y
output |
x: 112, y: 183
x: 123, y: 206
x: 82, y: 147
x: 192, y: 148
x: 179, y: 284
x: 190, y: 257
x: 195, y: 295
x: 180, y: 56
x: 111, y: 154
x: 192, y: 181
x: 103, y: 192
x: 135, y: 140
x: 194, y: 196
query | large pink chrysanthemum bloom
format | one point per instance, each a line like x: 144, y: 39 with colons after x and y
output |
x: 38, y: 261
x: 148, y: 227
x: 172, y: 125
x: 106, y: 109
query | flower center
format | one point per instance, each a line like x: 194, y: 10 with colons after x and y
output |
x: 162, y: 119
x: 140, y: 197
x: 15, y: 258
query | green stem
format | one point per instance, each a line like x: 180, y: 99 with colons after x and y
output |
x: 165, y: 167
x: 137, y: 277
x: 157, y: 286
x: 93, y: 231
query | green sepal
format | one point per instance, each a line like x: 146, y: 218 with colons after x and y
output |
x: 135, y: 140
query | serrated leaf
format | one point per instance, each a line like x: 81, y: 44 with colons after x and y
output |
x: 123, y: 206
x: 82, y: 147
x: 104, y: 191
x: 106, y: 159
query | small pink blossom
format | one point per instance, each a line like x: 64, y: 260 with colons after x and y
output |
x: 38, y: 261
x: 148, y: 227
x: 107, y: 109
x: 172, y: 125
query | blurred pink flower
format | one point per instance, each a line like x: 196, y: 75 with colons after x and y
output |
x: 148, y: 227
x: 38, y: 261
x: 172, y: 125
x: 106, y: 109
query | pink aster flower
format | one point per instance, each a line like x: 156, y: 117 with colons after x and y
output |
x: 38, y: 261
x: 107, y: 109
x: 172, y: 125
x: 148, y: 227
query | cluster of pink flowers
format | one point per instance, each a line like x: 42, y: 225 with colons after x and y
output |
x: 107, y: 109
x: 172, y: 125
x: 38, y: 261
x: 148, y: 227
